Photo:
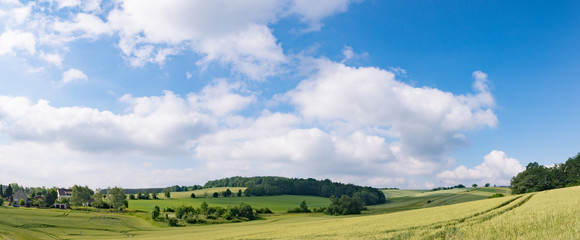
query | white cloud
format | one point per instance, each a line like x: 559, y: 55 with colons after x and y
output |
x: 10, y: 41
x: 68, y: 3
x: 53, y: 58
x: 72, y: 75
x: 496, y: 168
x: 312, y: 12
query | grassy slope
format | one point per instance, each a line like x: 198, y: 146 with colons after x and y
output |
x: 544, y: 215
x: 275, y: 203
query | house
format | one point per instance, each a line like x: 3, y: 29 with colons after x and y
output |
x: 16, y: 197
x: 60, y: 205
x: 63, y: 194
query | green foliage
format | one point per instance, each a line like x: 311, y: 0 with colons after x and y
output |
x: 302, y: 209
x: 270, y: 186
x: 167, y: 193
x: 172, y: 222
x: 539, y: 178
x: 263, y: 210
x: 215, y: 194
x: 1, y: 201
x: 474, y: 185
x: 155, y: 213
x: 192, y: 195
x: 227, y: 193
x: 8, y: 191
x: 496, y: 195
x: 131, y: 196
x: 487, y: 185
x: 50, y: 198
x: 80, y: 195
x: 99, y: 200
x: 239, y: 193
x: 154, y: 195
x: 117, y: 198
x: 21, y: 202
x: 344, y: 205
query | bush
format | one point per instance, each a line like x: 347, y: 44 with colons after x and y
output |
x: 320, y: 209
x: 344, y: 206
x: 192, y: 195
x: 263, y: 210
x: 172, y: 222
x: 155, y: 213
x: 496, y: 195
x: 168, y: 209
x: 302, y: 209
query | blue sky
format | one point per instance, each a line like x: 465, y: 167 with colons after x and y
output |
x: 409, y: 94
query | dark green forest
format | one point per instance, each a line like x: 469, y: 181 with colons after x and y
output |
x: 538, y: 177
x: 270, y: 186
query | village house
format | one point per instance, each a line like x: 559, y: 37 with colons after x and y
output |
x: 16, y: 197
x: 63, y: 194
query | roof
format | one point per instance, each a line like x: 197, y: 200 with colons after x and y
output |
x: 64, y: 192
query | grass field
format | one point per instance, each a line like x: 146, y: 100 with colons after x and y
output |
x: 275, y: 203
x: 543, y: 215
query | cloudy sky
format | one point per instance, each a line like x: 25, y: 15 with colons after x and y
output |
x: 409, y: 94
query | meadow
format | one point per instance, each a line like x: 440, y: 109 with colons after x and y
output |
x: 543, y: 215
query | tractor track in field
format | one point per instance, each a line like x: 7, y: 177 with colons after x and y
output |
x: 406, y: 233
x: 451, y: 228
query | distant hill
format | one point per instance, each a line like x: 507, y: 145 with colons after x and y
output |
x: 270, y: 186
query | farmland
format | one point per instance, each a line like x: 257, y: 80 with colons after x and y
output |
x: 453, y: 214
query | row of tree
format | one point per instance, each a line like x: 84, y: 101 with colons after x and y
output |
x: 269, y: 186
x: 537, y: 177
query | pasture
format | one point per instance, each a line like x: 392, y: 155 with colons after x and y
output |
x: 544, y: 215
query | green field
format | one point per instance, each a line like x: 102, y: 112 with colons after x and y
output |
x: 544, y: 215
x: 275, y: 203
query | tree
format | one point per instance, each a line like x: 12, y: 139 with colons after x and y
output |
x: 154, y: 194
x: 304, y: 207
x: 239, y: 193
x: 132, y: 196
x: 116, y: 197
x: 167, y: 193
x: 215, y: 194
x: 1, y: 191
x: 155, y: 213
x: 487, y: 185
x: 8, y: 191
x: 227, y: 193
x: 99, y: 199
x: 344, y: 206
x: 80, y: 195
x: 474, y: 185
x: 192, y: 195
x: 51, y: 196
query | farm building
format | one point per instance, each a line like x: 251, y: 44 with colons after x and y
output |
x: 16, y: 197
x: 63, y: 194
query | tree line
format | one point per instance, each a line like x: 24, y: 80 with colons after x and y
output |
x: 537, y: 177
x: 270, y: 186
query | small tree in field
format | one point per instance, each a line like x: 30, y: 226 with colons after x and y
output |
x: 167, y: 193
x: 215, y: 194
x: 154, y: 194
x: 155, y: 213
x: 474, y: 185
x: 487, y: 185
x: 192, y: 195
x: 116, y: 197
x: 239, y: 193
x: 227, y: 193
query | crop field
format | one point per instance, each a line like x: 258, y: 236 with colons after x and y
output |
x: 275, y: 203
x: 543, y: 215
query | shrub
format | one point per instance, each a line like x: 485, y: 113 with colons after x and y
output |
x: 155, y: 213
x: 192, y: 195
x: 263, y: 210
x: 172, y: 222
x: 168, y: 209
x: 496, y: 195
x: 344, y: 206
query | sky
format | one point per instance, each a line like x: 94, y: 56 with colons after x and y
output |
x: 408, y: 94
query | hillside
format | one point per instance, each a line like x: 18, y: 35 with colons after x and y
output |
x: 543, y: 215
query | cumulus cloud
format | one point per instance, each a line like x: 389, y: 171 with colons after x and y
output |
x: 72, y: 75
x: 15, y: 40
x: 312, y: 12
x: 497, y: 168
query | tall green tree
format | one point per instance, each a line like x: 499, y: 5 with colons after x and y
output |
x: 239, y: 193
x: 51, y: 196
x: 167, y: 192
x: 8, y: 191
x: 116, y: 197
x: 99, y: 199
x: 80, y: 195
